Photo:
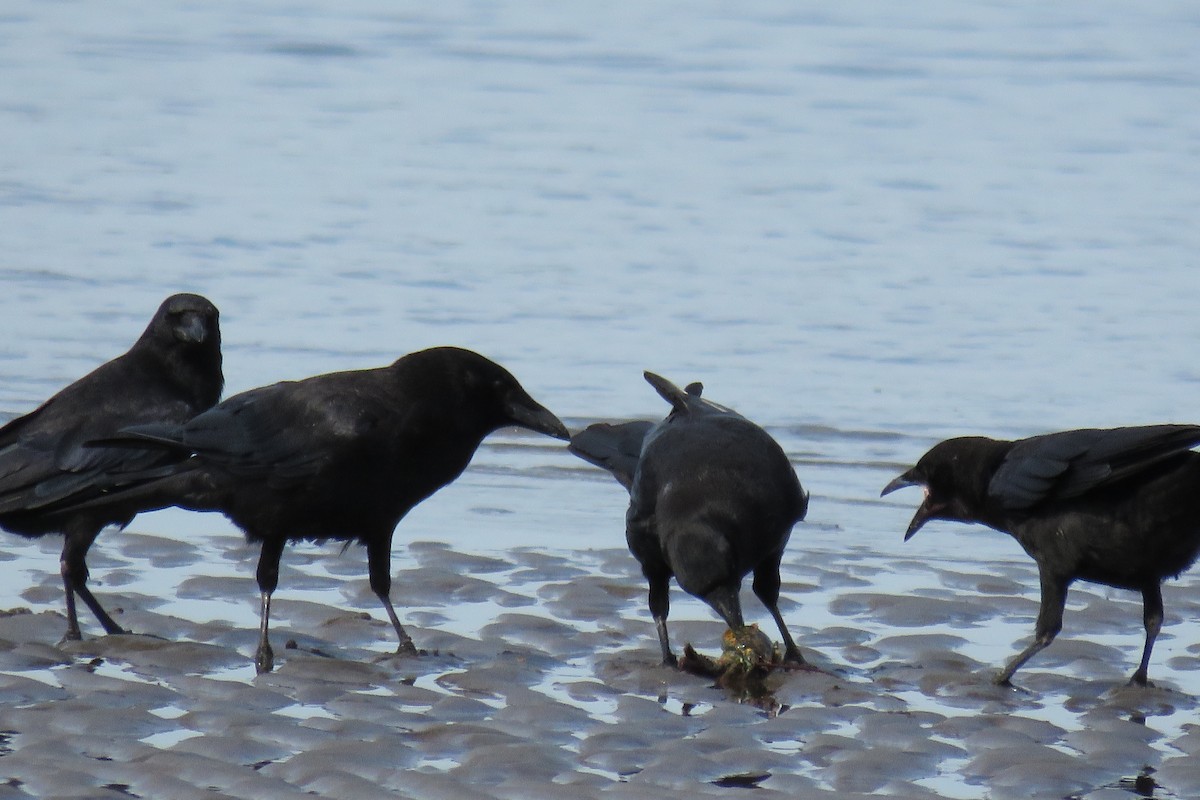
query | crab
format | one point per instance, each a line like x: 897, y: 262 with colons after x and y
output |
x: 747, y: 655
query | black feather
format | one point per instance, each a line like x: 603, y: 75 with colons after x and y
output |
x: 1119, y: 506
x: 53, y: 481
x: 341, y: 456
x: 712, y: 498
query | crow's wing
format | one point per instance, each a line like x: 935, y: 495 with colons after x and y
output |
x: 39, y: 472
x: 615, y: 448
x: 45, y: 459
x: 1072, y: 463
x: 283, y: 432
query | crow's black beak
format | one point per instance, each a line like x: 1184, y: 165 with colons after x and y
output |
x: 527, y: 413
x: 900, y: 482
x: 923, y: 514
x: 920, y: 518
x: 191, y: 329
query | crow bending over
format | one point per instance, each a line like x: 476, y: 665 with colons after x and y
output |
x: 1120, y: 507
x: 712, y: 497
x: 171, y: 373
x: 340, y: 456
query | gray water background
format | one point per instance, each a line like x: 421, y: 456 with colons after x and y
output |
x: 866, y: 226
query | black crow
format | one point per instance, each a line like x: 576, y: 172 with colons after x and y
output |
x: 712, y: 497
x: 171, y: 373
x: 341, y: 456
x: 1120, y: 507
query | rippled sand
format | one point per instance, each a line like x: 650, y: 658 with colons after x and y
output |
x: 553, y: 689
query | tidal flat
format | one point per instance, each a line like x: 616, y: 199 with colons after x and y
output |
x: 541, y: 679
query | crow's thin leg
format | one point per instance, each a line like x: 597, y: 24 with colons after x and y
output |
x: 379, y: 567
x: 268, y: 580
x: 766, y: 588
x: 1049, y: 623
x: 73, y: 567
x: 660, y: 606
x: 1152, y: 616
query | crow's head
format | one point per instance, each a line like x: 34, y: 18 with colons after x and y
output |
x: 952, y: 475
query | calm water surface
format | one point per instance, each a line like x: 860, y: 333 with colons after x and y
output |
x: 866, y: 227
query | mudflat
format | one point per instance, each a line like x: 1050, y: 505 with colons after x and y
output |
x: 541, y: 678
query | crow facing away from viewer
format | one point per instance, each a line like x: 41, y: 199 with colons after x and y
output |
x: 712, y: 498
x: 172, y: 373
x: 1120, y: 507
x: 340, y: 456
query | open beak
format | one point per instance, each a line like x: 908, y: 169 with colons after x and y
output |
x: 923, y: 511
x: 527, y: 413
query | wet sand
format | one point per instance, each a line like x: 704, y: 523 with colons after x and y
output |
x: 541, y: 681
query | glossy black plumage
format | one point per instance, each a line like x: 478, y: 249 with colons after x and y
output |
x: 1120, y: 507
x: 712, y: 498
x: 340, y: 456
x: 614, y: 447
x: 48, y: 474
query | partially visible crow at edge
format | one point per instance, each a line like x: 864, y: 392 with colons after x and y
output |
x: 341, y: 456
x: 712, y: 498
x: 1120, y: 507
x: 171, y: 373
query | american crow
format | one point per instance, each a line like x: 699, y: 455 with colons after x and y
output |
x: 712, y: 498
x: 1119, y: 507
x: 171, y: 373
x: 340, y: 456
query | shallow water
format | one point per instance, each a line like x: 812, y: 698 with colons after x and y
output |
x: 866, y: 229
